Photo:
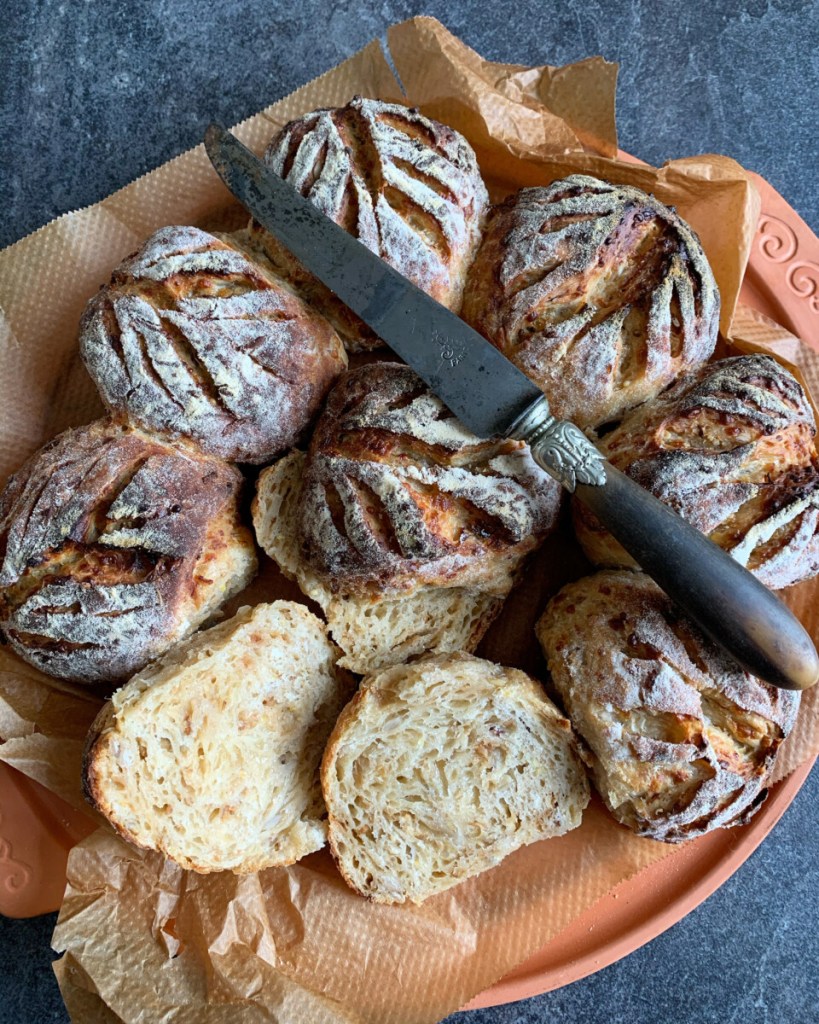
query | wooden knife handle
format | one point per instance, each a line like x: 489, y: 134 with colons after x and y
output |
x: 728, y: 603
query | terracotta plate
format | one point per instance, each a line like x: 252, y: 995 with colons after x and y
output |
x: 37, y: 828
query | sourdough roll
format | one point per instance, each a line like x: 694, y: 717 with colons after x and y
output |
x: 438, y: 770
x: 191, y: 339
x: 679, y: 739
x: 406, y: 186
x: 408, y: 530
x: 115, y: 545
x: 211, y: 756
x: 373, y: 628
x: 731, y: 448
x: 397, y: 492
x: 599, y: 293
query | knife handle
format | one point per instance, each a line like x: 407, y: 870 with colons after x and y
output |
x: 728, y: 603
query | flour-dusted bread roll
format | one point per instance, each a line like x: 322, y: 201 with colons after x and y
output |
x: 730, y: 447
x: 397, y: 492
x: 598, y: 292
x: 211, y: 756
x: 679, y: 739
x: 115, y: 545
x: 438, y: 770
x: 406, y: 186
x: 373, y: 628
x: 408, y: 530
x: 192, y: 339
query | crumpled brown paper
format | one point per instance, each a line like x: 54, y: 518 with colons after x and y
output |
x: 144, y: 940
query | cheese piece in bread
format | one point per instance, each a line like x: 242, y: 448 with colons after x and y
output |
x: 438, y: 770
x: 211, y: 755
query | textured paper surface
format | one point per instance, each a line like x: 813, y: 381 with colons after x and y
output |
x: 145, y: 941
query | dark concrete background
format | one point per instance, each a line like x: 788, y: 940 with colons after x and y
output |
x: 96, y: 93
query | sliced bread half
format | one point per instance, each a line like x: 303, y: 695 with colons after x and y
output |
x: 436, y: 771
x: 211, y: 755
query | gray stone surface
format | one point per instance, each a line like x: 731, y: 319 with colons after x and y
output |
x: 108, y: 90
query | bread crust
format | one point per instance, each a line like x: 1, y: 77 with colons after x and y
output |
x: 678, y: 738
x: 598, y: 292
x: 406, y: 186
x: 114, y: 545
x: 731, y: 448
x: 398, y: 494
x: 191, y: 339
x: 390, y: 849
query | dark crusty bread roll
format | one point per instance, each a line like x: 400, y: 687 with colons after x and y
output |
x: 114, y: 545
x: 679, y: 739
x: 730, y: 447
x: 406, y: 186
x: 398, y: 493
x: 598, y: 292
x: 191, y: 339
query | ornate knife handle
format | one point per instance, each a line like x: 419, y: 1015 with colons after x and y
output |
x: 729, y: 604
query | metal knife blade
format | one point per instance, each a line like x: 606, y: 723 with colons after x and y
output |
x: 484, y: 390
x: 491, y: 396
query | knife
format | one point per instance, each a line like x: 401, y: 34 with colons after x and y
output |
x: 492, y: 397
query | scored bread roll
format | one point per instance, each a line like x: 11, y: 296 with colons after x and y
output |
x: 599, y: 293
x: 115, y: 545
x: 731, y: 448
x: 679, y: 739
x: 373, y: 629
x: 406, y: 186
x: 397, y: 492
x: 408, y: 530
x: 211, y: 756
x: 438, y: 770
x: 192, y: 339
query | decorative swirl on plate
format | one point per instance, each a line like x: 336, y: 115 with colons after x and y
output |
x: 14, y: 874
x: 777, y: 241
x: 803, y: 280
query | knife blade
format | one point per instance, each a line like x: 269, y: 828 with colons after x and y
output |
x: 491, y: 396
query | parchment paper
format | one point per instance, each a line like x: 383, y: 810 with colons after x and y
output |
x: 142, y: 939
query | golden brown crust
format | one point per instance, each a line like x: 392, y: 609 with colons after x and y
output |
x: 114, y: 545
x: 731, y: 448
x: 398, y: 493
x: 406, y: 186
x: 191, y: 339
x: 679, y: 739
x: 599, y: 293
